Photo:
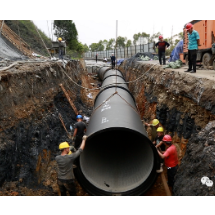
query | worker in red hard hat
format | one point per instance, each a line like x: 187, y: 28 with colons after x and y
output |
x: 170, y: 158
x: 162, y: 46
x: 193, y: 43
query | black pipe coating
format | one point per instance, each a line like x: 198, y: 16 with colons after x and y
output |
x: 118, y: 159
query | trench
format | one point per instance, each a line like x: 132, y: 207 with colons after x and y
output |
x: 30, y: 128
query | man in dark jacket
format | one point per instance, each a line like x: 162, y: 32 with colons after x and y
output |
x: 162, y: 46
x: 113, y: 59
x: 61, y: 48
x: 80, y: 129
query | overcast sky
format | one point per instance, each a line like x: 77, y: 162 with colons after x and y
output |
x: 91, y: 31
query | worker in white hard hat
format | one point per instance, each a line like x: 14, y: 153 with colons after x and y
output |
x: 61, y: 48
x: 66, y: 179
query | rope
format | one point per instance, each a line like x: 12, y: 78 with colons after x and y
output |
x: 1, y: 27
x: 98, y: 88
x: 48, y: 29
x: 42, y: 40
x: 19, y: 36
x: 80, y: 85
x: 127, y: 103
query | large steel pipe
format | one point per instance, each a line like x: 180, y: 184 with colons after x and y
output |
x: 118, y: 159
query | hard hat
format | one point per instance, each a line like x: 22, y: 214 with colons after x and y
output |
x: 79, y: 117
x: 167, y: 138
x: 160, y: 37
x: 64, y: 145
x: 155, y: 122
x: 60, y: 38
x: 189, y: 26
x: 160, y: 129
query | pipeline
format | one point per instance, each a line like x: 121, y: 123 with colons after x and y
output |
x: 118, y: 158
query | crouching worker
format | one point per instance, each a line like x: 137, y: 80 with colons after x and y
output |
x: 65, y: 161
x: 170, y: 158
x: 154, y: 126
x: 159, y: 144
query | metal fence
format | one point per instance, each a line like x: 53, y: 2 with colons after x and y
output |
x: 122, y: 52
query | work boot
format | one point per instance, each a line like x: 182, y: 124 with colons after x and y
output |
x: 187, y: 70
x: 161, y: 169
x: 192, y: 71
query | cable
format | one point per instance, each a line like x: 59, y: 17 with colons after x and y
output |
x: 19, y: 36
x: 42, y: 40
x: 48, y: 29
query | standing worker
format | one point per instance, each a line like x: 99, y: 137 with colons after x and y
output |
x: 113, y: 59
x: 65, y: 161
x: 159, y: 144
x: 194, y: 42
x: 154, y: 126
x: 80, y: 129
x: 162, y: 46
x: 61, y: 48
x: 170, y: 158
x: 96, y: 57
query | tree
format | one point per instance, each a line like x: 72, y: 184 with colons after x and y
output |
x: 154, y: 36
x: 93, y: 47
x: 139, y: 35
x: 128, y: 43
x: 105, y: 42
x: 66, y: 29
x: 97, y: 46
x: 181, y: 36
x: 120, y: 42
x: 110, y: 44
x: 86, y: 48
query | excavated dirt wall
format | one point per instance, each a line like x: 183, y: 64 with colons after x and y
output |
x: 184, y: 105
x: 30, y: 128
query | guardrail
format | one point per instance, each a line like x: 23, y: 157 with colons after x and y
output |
x: 122, y: 52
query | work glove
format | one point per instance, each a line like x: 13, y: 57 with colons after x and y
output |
x: 84, y: 137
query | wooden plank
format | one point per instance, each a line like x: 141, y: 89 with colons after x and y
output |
x: 69, y: 100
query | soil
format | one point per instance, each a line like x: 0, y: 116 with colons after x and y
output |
x: 30, y: 128
x: 184, y: 105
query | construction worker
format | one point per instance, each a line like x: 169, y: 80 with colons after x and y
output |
x: 65, y: 162
x: 194, y: 42
x: 154, y: 126
x: 159, y: 144
x: 162, y: 46
x: 113, y: 60
x: 96, y: 57
x: 170, y: 158
x: 79, y: 130
x: 61, y: 48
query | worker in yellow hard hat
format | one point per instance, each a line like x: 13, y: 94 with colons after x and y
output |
x: 61, y: 48
x: 155, y: 124
x: 65, y: 162
x: 159, y: 145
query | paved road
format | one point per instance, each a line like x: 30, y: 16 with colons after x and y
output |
x: 208, y: 74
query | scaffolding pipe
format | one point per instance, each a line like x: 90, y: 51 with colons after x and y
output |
x: 118, y: 159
